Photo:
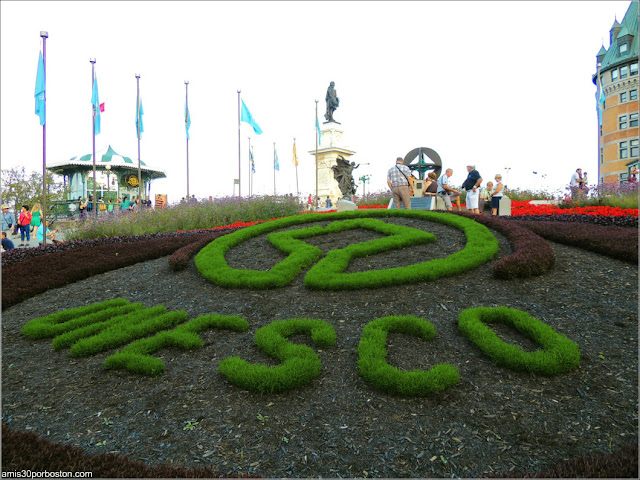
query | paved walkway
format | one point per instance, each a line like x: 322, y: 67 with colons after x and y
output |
x: 33, y: 242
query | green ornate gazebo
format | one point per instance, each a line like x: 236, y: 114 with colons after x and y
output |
x: 114, y: 173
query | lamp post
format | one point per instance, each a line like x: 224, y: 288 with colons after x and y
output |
x: 506, y: 180
x: 364, y: 179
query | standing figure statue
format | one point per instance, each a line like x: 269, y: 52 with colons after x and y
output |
x: 343, y: 173
x: 332, y: 102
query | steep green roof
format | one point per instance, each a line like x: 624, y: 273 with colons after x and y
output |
x: 629, y: 24
x: 603, y: 51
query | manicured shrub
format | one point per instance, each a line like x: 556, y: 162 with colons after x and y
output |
x: 26, y: 451
x: 300, y: 363
x: 616, y: 242
x: 140, y: 324
x: 328, y: 273
x: 79, y: 263
x: 532, y: 255
x: 136, y: 357
x: 558, y: 353
x: 67, y: 320
x: 372, y: 364
x: 180, y: 258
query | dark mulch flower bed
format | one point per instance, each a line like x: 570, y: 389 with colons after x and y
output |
x: 493, y: 422
x: 65, y: 263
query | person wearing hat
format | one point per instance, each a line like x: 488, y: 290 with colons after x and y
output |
x: 472, y: 186
x: 8, y: 219
x: 400, y: 183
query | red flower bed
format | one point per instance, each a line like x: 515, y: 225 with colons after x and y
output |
x: 525, y: 208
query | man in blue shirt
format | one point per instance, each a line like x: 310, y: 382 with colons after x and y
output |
x: 8, y: 219
x: 6, y: 243
x: 472, y: 186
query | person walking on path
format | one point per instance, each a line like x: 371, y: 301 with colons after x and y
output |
x: 35, y: 218
x: 446, y: 192
x: 400, y: 183
x: 24, y: 220
x: 8, y: 219
x: 496, y: 195
x: 472, y: 186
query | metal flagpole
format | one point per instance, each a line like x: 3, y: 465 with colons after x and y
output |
x: 239, y: 170
x: 93, y: 107
x: 295, y: 159
x: 317, y: 133
x: 274, y: 169
x: 138, y: 120
x: 250, y: 170
x: 44, y: 36
x: 186, y: 93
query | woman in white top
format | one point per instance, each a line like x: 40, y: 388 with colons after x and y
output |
x: 496, y: 195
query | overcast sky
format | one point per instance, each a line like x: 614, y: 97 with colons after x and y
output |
x: 499, y: 84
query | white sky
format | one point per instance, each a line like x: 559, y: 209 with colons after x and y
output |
x: 501, y: 84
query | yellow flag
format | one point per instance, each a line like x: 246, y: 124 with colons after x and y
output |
x: 295, y: 156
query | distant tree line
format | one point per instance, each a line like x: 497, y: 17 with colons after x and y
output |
x: 22, y: 188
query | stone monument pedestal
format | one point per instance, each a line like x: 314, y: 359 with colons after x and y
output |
x: 344, y: 205
x: 330, y: 147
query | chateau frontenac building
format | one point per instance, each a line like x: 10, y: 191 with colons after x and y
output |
x: 617, y: 73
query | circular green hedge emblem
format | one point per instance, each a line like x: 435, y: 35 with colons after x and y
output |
x: 328, y: 273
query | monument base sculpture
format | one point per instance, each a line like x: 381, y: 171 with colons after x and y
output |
x: 330, y: 148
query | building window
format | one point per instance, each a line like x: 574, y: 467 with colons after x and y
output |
x: 623, y: 71
x: 623, y: 97
x: 601, y: 156
x: 633, y: 94
x: 633, y: 120
x: 623, y: 48
x: 614, y: 75
x: 633, y: 69
x: 634, y: 148
x: 622, y: 122
x: 624, y: 150
x: 623, y: 177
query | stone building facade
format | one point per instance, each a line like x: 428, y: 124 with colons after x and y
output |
x: 617, y: 76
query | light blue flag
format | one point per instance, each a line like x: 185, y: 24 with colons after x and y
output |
x: 319, y: 134
x: 245, y: 116
x: 277, y: 163
x: 96, y: 105
x: 187, y: 119
x: 139, y: 124
x: 40, y: 91
x: 253, y: 165
x: 601, y: 105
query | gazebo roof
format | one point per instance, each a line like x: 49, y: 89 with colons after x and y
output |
x: 104, y: 157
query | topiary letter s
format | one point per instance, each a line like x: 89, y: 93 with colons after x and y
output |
x: 300, y: 363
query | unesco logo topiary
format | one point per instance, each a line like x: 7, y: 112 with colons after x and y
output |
x: 328, y: 272
x: 145, y: 331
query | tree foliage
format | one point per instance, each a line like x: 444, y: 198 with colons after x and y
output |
x: 22, y: 188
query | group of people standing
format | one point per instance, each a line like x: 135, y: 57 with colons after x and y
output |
x: 28, y: 222
x: 401, y: 183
